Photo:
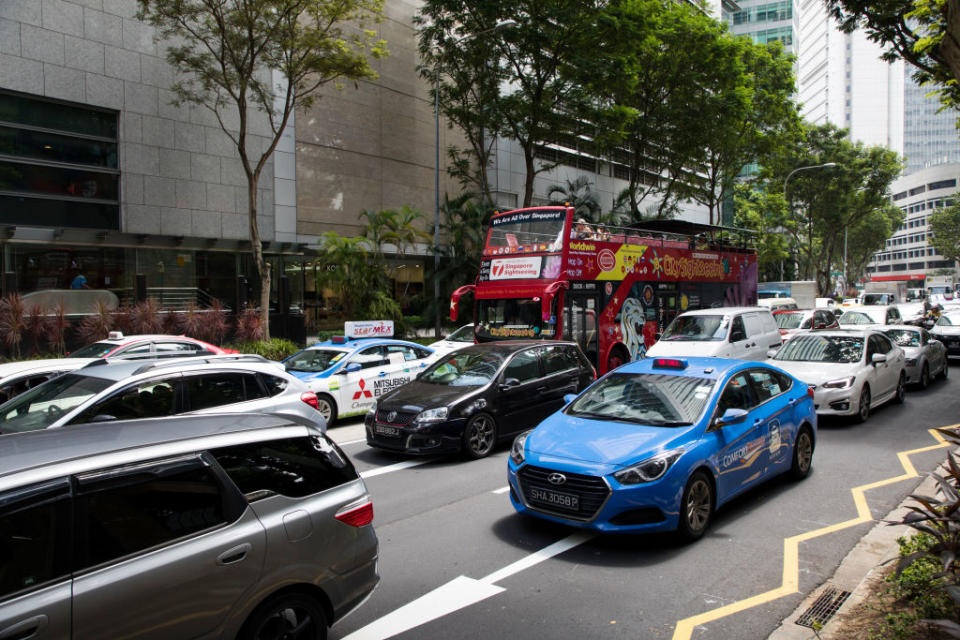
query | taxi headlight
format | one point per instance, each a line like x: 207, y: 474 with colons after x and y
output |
x: 841, y: 383
x: 432, y: 415
x: 650, y: 469
x: 516, y: 451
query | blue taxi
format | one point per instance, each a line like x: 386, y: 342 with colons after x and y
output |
x: 659, y: 444
x: 348, y: 375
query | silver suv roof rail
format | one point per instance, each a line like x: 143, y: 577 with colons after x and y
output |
x: 172, y: 362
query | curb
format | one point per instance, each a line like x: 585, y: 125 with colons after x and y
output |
x: 857, y: 572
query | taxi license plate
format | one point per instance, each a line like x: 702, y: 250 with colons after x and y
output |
x: 393, y: 432
x: 547, y: 497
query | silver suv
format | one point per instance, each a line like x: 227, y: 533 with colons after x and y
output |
x: 107, y: 390
x: 238, y: 526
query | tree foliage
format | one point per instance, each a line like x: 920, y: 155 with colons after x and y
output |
x: 226, y: 53
x: 945, y: 229
x: 357, y: 279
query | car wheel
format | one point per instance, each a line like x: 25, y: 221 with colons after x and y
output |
x: 924, y: 376
x: 696, y: 507
x: 901, y: 389
x: 802, y: 454
x: 945, y: 373
x: 327, y: 408
x: 291, y: 615
x: 863, y: 409
x: 479, y: 436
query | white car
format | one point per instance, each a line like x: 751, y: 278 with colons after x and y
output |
x: 850, y: 371
x: 867, y: 315
x: 460, y: 338
x: 947, y: 331
x: 349, y: 375
x: 17, y: 377
x: 926, y: 357
x: 744, y: 333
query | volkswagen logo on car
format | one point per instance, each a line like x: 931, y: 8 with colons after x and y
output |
x: 391, y: 416
x: 556, y: 478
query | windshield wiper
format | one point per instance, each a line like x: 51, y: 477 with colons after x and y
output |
x: 595, y: 416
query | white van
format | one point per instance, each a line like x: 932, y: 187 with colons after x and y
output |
x: 744, y: 333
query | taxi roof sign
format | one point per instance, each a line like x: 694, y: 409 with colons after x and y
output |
x: 368, y: 329
x: 669, y: 363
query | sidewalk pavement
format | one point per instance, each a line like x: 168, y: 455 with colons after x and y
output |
x: 857, y: 573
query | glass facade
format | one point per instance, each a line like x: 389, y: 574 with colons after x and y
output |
x: 772, y: 12
x: 58, y: 164
x: 929, y: 136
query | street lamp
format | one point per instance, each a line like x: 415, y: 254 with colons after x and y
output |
x: 787, y: 180
x: 436, y: 169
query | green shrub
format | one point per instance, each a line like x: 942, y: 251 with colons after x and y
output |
x: 272, y: 349
x: 922, y: 581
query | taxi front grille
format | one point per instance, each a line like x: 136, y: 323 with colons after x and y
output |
x: 592, y: 492
x: 401, y: 419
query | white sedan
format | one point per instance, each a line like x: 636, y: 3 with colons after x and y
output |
x: 850, y: 371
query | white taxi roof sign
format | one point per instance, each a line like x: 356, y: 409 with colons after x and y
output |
x: 368, y: 329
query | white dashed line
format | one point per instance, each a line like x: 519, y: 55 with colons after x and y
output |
x: 379, y: 471
x: 501, y: 489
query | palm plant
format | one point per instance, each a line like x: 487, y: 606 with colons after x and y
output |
x: 97, y: 325
x: 57, y: 327
x: 578, y: 194
x: 36, y: 326
x: 12, y: 323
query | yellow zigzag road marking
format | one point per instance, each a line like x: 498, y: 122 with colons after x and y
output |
x: 791, y: 547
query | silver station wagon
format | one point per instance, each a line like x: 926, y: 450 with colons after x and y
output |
x: 239, y: 526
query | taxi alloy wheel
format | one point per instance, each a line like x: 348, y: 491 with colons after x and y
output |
x: 863, y: 411
x: 326, y: 408
x: 802, y: 455
x: 901, y: 389
x: 479, y: 436
x: 696, y: 507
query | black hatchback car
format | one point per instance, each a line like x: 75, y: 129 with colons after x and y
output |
x: 470, y: 399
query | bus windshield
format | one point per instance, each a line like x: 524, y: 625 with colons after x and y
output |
x: 513, y: 318
x: 526, y: 232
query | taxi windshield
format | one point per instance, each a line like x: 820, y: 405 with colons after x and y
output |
x: 513, y: 318
x: 791, y: 321
x: 313, y: 360
x: 709, y: 328
x: 463, y: 369
x: 648, y: 399
x: 95, y: 350
x: 41, y: 406
x: 816, y: 348
x: 904, y: 337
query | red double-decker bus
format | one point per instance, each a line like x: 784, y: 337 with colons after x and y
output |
x: 611, y: 289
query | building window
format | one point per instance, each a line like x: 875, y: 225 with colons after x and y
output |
x: 58, y: 164
x: 917, y: 190
x: 942, y: 184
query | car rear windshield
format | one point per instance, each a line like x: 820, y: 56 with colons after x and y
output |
x: 648, y: 399
x: 314, y: 360
x: 460, y: 369
x: 856, y: 317
x: 816, y: 348
x: 904, y: 337
x: 95, y: 350
x: 791, y: 321
x: 42, y: 406
x: 711, y: 328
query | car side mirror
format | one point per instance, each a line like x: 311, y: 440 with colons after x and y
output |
x: 569, y: 397
x: 771, y: 353
x: 509, y: 383
x: 878, y: 357
x: 731, y: 416
x: 103, y: 417
x: 350, y: 368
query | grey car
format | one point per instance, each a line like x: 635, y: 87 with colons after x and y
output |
x: 925, y: 356
x: 239, y: 526
x: 106, y: 390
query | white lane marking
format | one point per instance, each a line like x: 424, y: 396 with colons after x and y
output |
x: 501, y: 489
x: 459, y: 593
x: 390, y: 468
x: 343, y: 444
x: 455, y: 595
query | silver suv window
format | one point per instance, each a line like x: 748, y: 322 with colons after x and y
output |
x: 217, y: 389
x: 42, y: 406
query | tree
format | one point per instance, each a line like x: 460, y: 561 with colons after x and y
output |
x: 226, y: 53
x: 945, y: 229
x: 925, y: 33
x: 765, y: 213
x: 749, y: 112
x: 357, y: 279
x: 867, y: 237
x: 579, y: 195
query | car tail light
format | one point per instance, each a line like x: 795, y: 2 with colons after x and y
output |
x: 356, y: 514
x: 311, y: 399
x: 810, y: 391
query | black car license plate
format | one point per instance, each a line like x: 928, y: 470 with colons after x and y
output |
x: 550, y: 498
x: 393, y: 432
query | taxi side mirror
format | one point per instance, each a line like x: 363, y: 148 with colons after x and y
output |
x: 731, y: 416
x: 569, y: 397
x: 771, y: 353
x: 350, y: 368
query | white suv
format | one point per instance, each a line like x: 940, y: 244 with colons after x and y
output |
x: 742, y: 333
x: 105, y: 390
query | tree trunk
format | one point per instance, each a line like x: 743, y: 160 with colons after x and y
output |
x: 263, y: 269
x: 528, y: 152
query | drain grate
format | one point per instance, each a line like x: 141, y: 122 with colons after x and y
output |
x: 823, y: 608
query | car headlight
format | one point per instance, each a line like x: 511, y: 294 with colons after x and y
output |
x: 650, y: 469
x: 432, y: 415
x: 841, y: 383
x: 910, y: 362
x: 516, y: 451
